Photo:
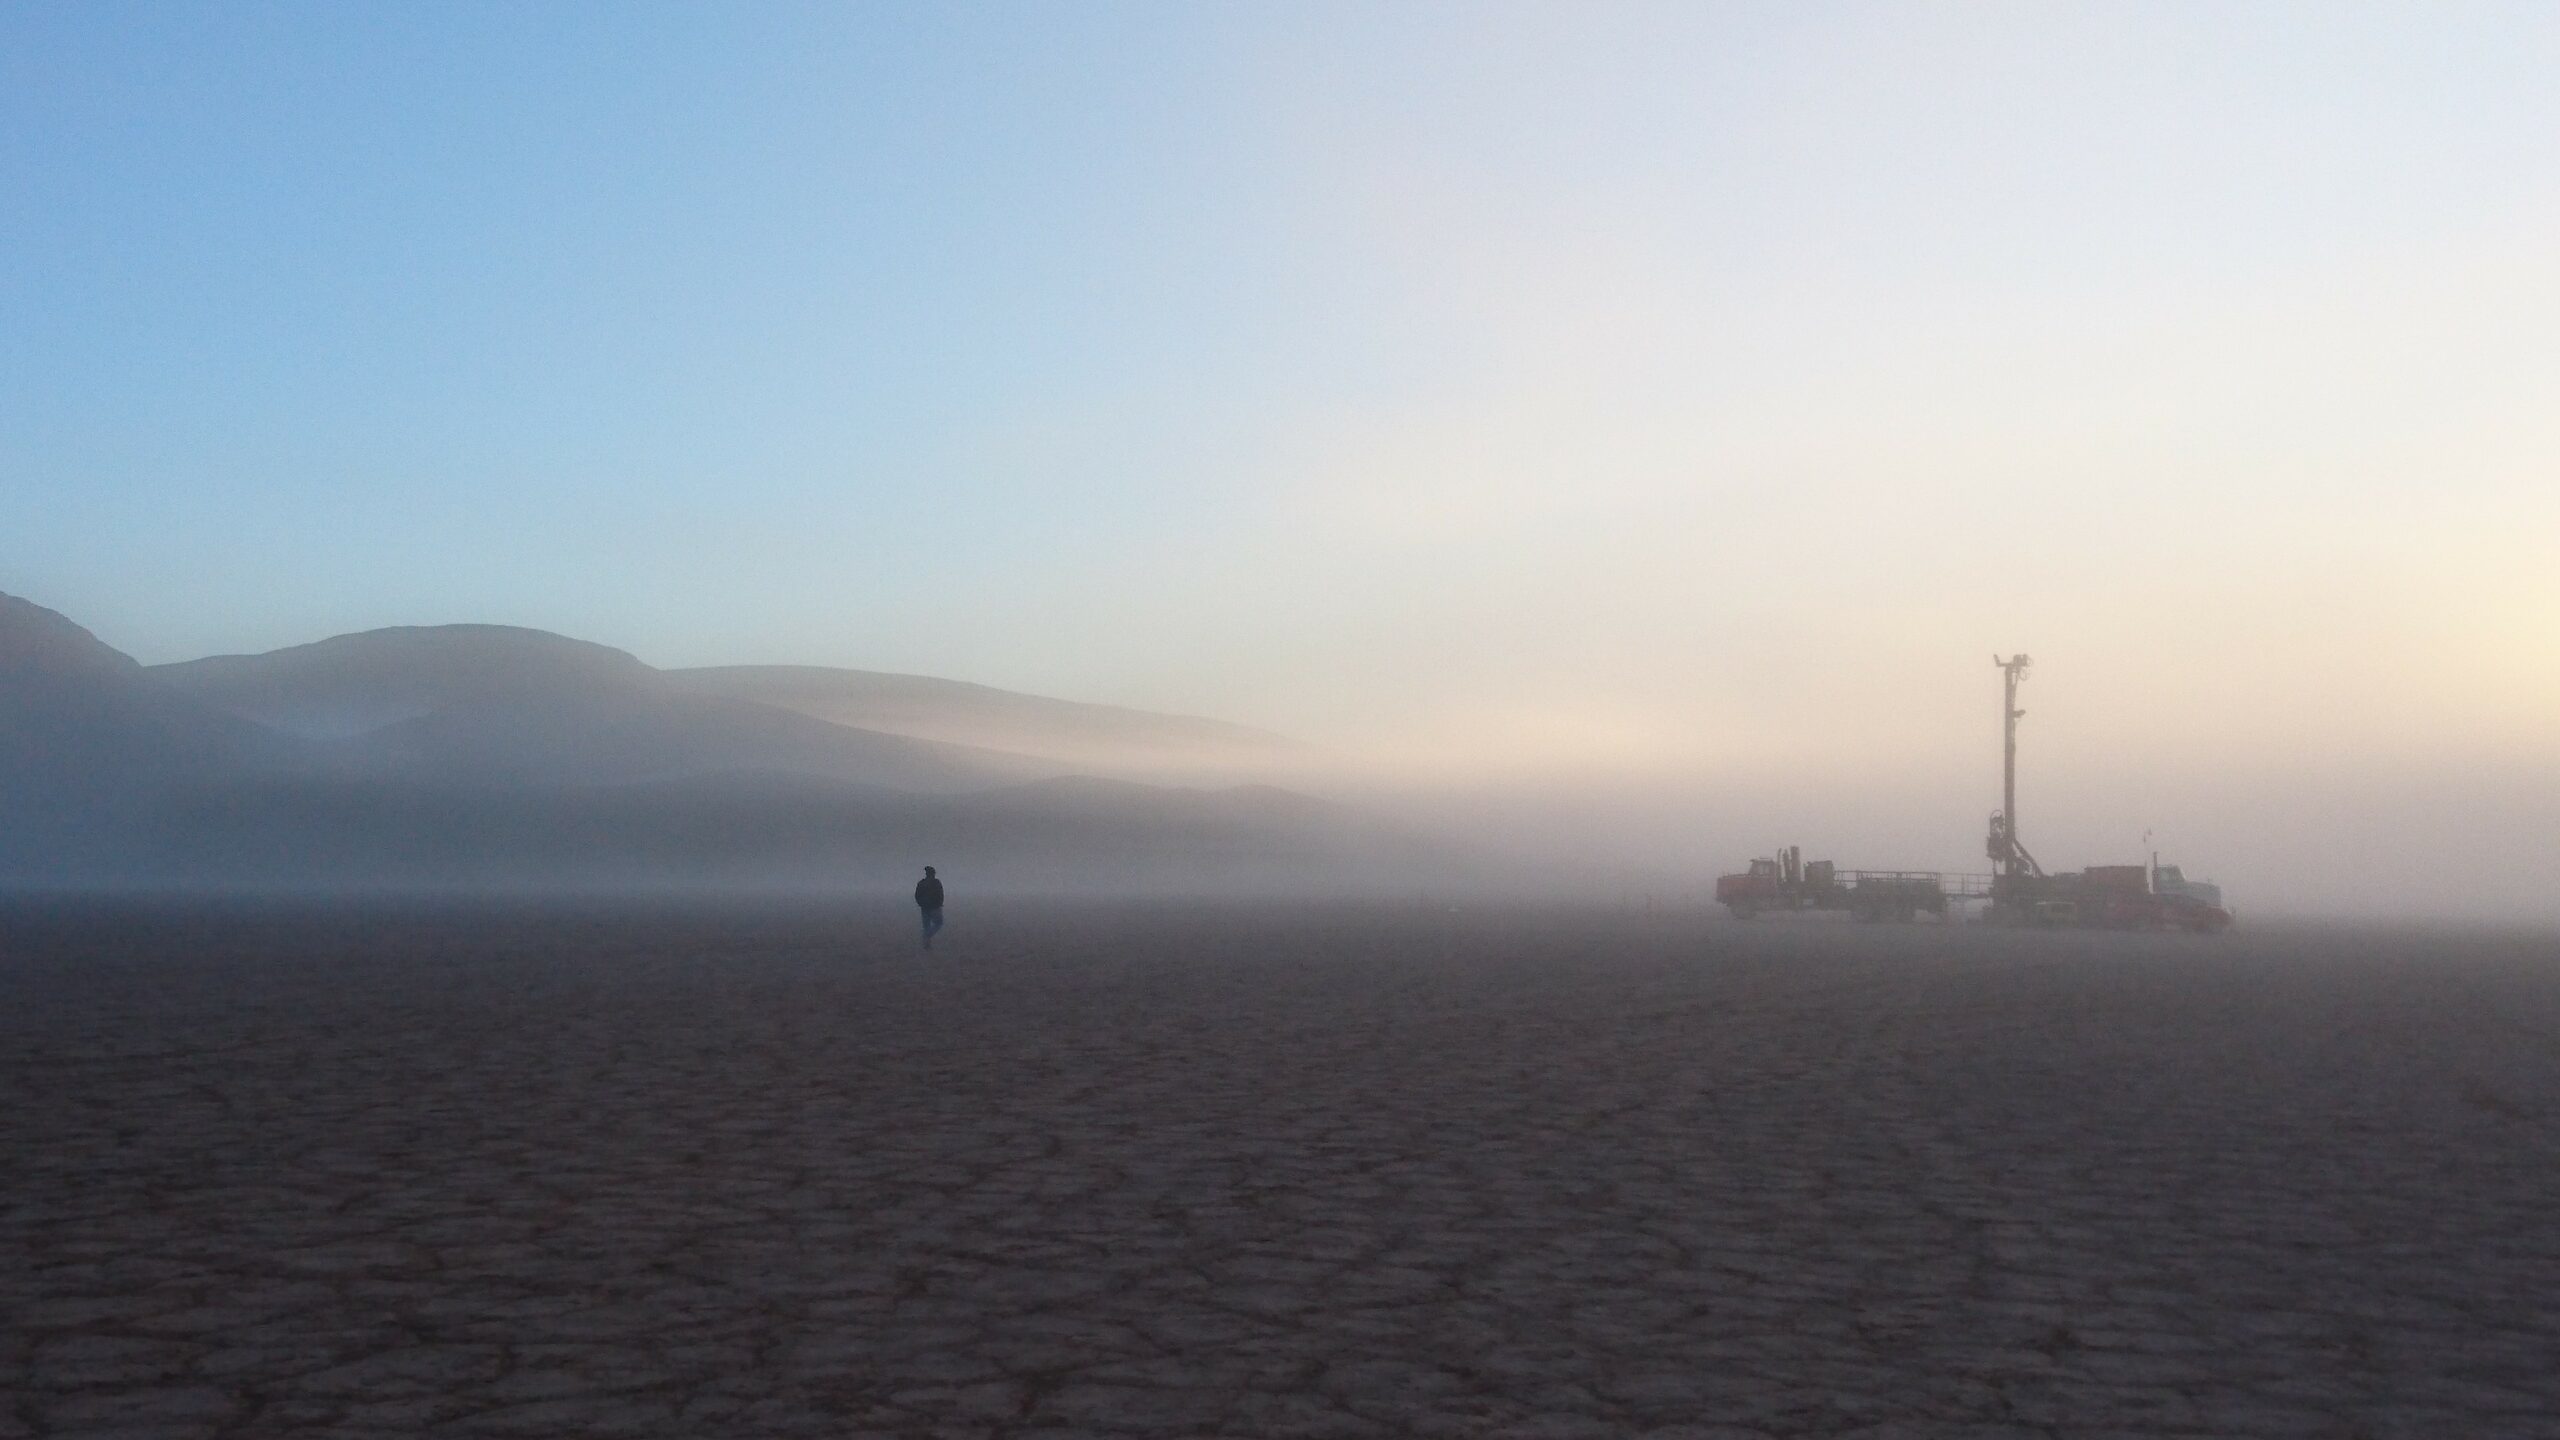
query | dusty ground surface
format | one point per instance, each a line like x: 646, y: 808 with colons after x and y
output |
x: 1262, y: 1173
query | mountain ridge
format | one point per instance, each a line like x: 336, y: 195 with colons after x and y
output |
x: 34, y: 638
x: 501, y: 757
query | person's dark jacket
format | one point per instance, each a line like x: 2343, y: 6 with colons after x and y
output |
x: 928, y: 894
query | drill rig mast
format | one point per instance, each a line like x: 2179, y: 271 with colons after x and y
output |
x: 2012, y: 868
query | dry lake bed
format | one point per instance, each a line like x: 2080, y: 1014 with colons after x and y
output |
x: 1193, y: 1171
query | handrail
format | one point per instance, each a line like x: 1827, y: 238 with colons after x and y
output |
x: 1950, y: 880
x: 1962, y: 885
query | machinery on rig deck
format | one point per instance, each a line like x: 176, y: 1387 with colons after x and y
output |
x: 2018, y: 891
x: 2111, y: 897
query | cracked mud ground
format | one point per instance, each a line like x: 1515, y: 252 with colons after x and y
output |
x: 1203, y: 1172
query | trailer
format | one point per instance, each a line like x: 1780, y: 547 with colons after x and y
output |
x: 1785, y: 881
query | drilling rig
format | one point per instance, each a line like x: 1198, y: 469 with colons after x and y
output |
x: 2114, y: 897
x: 2018, y: 890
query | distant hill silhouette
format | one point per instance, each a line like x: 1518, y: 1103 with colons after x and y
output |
x: 356, y: 683
x: 466, y: 704
x: 89, y: 744
x: 485, y: 756
x: 1094, y: 738
x: 35, y: 641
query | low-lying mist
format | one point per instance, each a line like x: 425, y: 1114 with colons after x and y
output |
x: 489, y: 759
x: 2474, y: 844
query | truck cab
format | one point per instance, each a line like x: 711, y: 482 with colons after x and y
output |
x: 2165, y: 880
x: 1756, y: 889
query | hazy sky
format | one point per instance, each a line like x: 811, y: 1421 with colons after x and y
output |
x: 1562, y: 390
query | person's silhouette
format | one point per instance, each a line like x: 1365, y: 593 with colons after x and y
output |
x: 929, y: 900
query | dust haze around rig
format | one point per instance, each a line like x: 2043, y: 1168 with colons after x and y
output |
x: 1620, y: 439
x: 497, y: 760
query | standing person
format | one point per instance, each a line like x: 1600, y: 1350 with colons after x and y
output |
x: 929, y: 900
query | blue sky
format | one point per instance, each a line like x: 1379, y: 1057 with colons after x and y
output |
x: 341, y: 315
x: 1553, y: 389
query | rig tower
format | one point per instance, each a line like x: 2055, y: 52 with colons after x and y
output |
x: 2010, y: 862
